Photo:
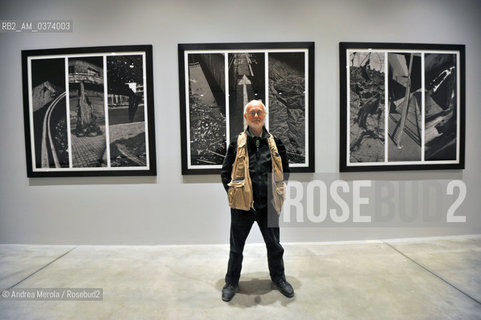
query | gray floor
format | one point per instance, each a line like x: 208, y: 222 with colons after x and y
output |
x: 416, y: 279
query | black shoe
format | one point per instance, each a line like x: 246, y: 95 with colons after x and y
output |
x: 228, y: 292
x: 284, y: 287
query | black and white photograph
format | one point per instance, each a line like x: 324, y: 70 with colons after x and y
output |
x: 366, y: 106
x: 49, y: 113
x: 206, y: 74
x: 287, y: 102
x: 402, y: 106
x: 247, y: 81
x: 441, y: 107
x: 89, y: 111
x: 218, y: 80
x: 126, y: 111
x: 405, y: 94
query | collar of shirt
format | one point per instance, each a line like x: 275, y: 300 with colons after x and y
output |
x: 264, y: 134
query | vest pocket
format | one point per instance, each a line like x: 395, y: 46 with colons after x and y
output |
x: 237, y: 195
x: 240, y: 172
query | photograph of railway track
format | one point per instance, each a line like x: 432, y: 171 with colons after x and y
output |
x: 212, y: 116
x: 89, y: 113
x: 49, y: 113
x: 402, y: 106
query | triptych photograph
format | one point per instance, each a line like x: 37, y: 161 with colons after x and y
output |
x: 216, y: 84
x: 402, y: 107
x: 88, y: 112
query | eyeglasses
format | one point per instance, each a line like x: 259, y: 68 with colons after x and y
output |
x: 259, y: 113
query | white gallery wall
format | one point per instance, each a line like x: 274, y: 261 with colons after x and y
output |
x: 176, y: 209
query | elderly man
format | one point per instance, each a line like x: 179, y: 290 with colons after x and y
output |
x: 251, y: 158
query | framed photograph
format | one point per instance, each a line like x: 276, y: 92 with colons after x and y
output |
x: 402, y: 106
x: 218, y: 79
x: 89, y: 111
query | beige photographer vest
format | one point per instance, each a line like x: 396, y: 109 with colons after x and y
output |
x: 240, y: 188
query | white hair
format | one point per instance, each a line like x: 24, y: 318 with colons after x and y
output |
x: 245, y: 110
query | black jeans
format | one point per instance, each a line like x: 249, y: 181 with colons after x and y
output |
x: 241, y: 223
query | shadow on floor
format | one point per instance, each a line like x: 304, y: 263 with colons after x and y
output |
x: 257, y: 289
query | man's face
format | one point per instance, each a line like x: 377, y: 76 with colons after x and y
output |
x: 255, y: 115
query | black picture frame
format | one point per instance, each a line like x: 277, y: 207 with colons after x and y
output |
x: 249, y: 71
x: 89, y: 111
x: 423, y: 127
